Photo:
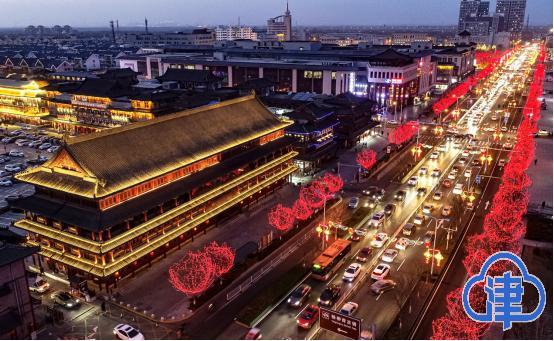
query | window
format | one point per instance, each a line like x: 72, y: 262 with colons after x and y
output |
x: 318, y: 74
x: 333, y: 75
x: 308, y: 74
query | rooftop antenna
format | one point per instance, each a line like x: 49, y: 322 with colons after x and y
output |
x: 117, y: 25
x: 113, y: 30
x: 527, y: 22
x: 239, y: 20
x: 146, y: 24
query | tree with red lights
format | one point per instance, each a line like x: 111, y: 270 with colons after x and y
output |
x: 332, y: 182
x: 301, y: 210
x: 222, y: 257
x: 366, y: 158
x: 281, y: 217
x: 313, y: 195
x: 193, y: 274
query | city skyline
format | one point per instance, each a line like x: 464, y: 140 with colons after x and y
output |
x: 183, y: 13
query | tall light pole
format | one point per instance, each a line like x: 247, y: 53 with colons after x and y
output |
x: 438, y: 223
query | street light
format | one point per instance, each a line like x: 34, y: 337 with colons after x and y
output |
x: 438, y: 223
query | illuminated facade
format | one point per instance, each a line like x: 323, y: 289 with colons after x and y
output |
x: 22, y: 101
x: 103, y: 213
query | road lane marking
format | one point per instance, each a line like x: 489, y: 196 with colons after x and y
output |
x: 397, y: 269
x: 378, y: 296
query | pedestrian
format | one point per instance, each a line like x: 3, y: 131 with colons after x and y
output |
x: 535, y: 162
x: 543, y: 204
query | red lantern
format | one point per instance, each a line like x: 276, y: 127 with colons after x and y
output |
x: 193, y: 274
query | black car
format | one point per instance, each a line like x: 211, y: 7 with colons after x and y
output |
x: 400, y: 196
x: 377, y: 194
x: 364, y: 254
x: 65, y: 299
x: 389, y: 209
x: 421, y: 191
x: 299, y: 295
x: 369, y: 190
x: 330, y: 295
x: 382, y: 285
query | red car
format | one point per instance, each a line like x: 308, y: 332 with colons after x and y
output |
x: 308, y: 317
x: 447, y: 183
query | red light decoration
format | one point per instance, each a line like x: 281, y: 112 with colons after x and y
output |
x: 193, y: 274
x: 301, y: 210
x: 281, y: 217
x: 366, y: 158
x: 403, y: 133
x: 332, y: 182
x: 222, y: 257
x: 313, y: 195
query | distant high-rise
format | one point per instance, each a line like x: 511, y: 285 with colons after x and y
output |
x: 471, y: 9
x: 514, y: 14
x: 280, y: 28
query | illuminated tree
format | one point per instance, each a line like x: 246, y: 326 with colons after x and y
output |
x: 366, y: 158
x: 313, y: 195
x: 301, y: 210
x: 222, y: 257
x: 193, y: 274
x: 332, y: 182
x: 281, y: 217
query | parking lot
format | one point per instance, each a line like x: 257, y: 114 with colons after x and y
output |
x: 16, y: 155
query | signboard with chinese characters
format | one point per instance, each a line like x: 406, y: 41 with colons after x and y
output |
x: 336, y: 322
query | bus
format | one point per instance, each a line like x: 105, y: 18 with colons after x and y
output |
x: 326, y: 264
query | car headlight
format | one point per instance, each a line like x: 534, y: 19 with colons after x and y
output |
x: 70, y: 305
x: 77, y: 301
x: 288, y: 301
x: 319, y: 299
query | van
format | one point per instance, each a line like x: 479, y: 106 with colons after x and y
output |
x: 408, y: 229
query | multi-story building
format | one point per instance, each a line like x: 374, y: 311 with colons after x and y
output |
x: 514, y: 15
x: 235, y: 32
x: 22, y: 101
x: 453, y: 64
x: 103, y: 213
x: 280, y: 28
x: 407, y: 38
x: 196, y: 37
x: 17, y: 318
x: 469, y: 9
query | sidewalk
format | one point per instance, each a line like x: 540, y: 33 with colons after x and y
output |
x: 159, y: 299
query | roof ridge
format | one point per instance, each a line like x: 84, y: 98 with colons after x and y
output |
x: 157, y: 120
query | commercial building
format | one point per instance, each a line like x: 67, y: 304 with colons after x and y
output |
x: 408, y: 38
x: 110, y: 203
x: 22, y: 101
x: 514, y: 15
x: 453, y: 64
x: 471, y: 9
x: 17, y: 318
x: 200, y: 36
x: 280, y: 27
x: 235, y: 32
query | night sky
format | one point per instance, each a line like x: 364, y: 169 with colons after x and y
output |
x: 83, y: 13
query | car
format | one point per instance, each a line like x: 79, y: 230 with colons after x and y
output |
x: 380, y: 272
x: 53, y: 149
x: 419, y: 219
x: 381, y: 286
x: 370, y: 189
x: 126, y: 332
x: 253, y: 334
x: 355, y: 238
x: 504, y: 129
x: 421, y: 191
x: 45, y: 146
x: 16, y: 153
x: 437, y: 196
x: 330, y: 295
x: 8, y: 139
x: 377, y: 193
x: 377, y: 219
x: 446, y: 210
x: 379, y: 239
x: 446, y: 183
x: 299, y: 295
x: 364, y: 254
x: 465, y: 153
x: 434, y: 156
x: 475, y: 151
x: 469, y: 205
x: 12, y: 168
x: 458, y: 189
x: 35, y: 143
x: 428, y: 238
x: 349, y: 308
x: 501, y: 163
x: 64, y: 299
x: 389, y: 255
x: 442, y: 148
x: 400, y: 196
x: 428, y: 208
x: 452, y: 175
x: 475, y: 163
x: 467, y: 173
x: 402, y: 243
x: 436, y: 173
x: 423, y: 171
x: 39, y: 286
x: 456, y: 145
x: 413, y: 181
x: 462, y: 160
x: 361, y: 231
x: 408, y: 229
x: 352, y: 272
x: 456, y: 169
x: 389, y: 209
x: 308, y: 317
x: 5, y: 182
x: 371, y: 203
x: 353, y: 203
x: 22, y: 142
x: 543, y: 132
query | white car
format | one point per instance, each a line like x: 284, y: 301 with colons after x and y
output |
x: 361, y: 231
x: 126, y: 332
x: 12, y: 168
x: 45, y: 146
x: 436, y: 173
x: 352, y: 272
x: 467, y: 173
x: 377, y: 219
x: 16, y: 153
x: 35, y: 143
x: 22, y: 142
x: 402, y: 243
x: 437, y: 196
x: 419, y: 219
x: 428, y: 208
x: 40, y: 286
x: 353, y: 203
x: 412, y: 181
x: 452, y: 175
x: 423, y: 171
x: 53, y: 149
x: 434, y: 156
x: 458, y: 189
x: 379, y: 239
x: 389, y: 255
x: 349, y: 308
x: 380, y: 272
x: 5, y: 182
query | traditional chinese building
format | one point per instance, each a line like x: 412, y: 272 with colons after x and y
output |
x: 22, y: 101
x: 111, y: 202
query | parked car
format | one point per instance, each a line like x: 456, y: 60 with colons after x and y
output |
x: 45, y: 146
x: 53, y: 149
x: 352, y: 272
x: 382, y: 286
x: 39, y: 286
x: 35, y: 143
x: 16, y: 153
x: 65, y: 299
x: 299, y: 295
x: 5, y: 182
x: 330, y: 295
x: 349, y: 308
x: 380, y: 272
x: 126, y: 332
x: 364, y: 254
x: 12, y: 168
x: 308, y: 317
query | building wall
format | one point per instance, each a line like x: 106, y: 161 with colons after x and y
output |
x: 17, y: 301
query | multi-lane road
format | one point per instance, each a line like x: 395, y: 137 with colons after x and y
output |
x: 409, y: 266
